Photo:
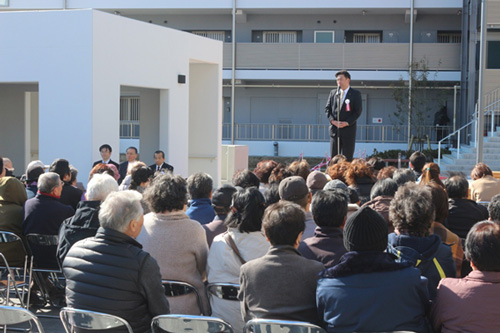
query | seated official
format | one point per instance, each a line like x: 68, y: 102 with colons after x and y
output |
x: 110, y: 273
x: 471, y: 304
x: 281, y: 284
x: 368, y: 291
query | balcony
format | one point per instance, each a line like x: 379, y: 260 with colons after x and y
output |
x: 311, y: 56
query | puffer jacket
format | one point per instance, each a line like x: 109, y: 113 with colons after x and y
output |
x: 429, y: 254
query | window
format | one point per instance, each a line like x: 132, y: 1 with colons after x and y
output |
x: 129, y: 117
x: 449, y: 37
x: 280, y: 37
x: 493, y: 54
x: 363, y: 36
x: 217, y: 35
x: 324, y: 36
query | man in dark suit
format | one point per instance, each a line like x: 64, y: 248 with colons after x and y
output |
x: 342, y: 109
x: 105, y: 151
x: 160, y: 164
x: 131, y: 155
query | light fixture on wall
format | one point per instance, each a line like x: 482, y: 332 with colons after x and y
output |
x: 181, y: 79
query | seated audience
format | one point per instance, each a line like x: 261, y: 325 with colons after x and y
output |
x: 221, y: 202
x: 199, y: 186
x: 336, y: 159
x: 141, y: 176
x: 360, y: 177
x: 368, y: 291
x: 316, y: 181
x: 272, y: 194
x: 353, y: 199
x: 494, y: 209
x: 33, y: 171
x: 242, y: 242
x: 85, y: 222
x: 295, y: 189
x: 376, y: 163
x: 463, y: 213
x: 178, y: 243
x: 381, y: 196
x: 412, y: 212
x: 440, y: 201
x: 300, y: 168
x: 470, y: 304
x: 263, y: 171
x: 245, y: 178
x: 431, y: 173
x: 44, y: 214
x: 386, y: 172
x: 403, y: 176
x: 281, y: 284
x: 417, y: 162
x: 279, y: 173
x: 110, y: 273
x: 9, y: 168
x: 484, y: 185
x: 70, y: 194
x: 101, y: 168
x: 329, y: 210
x: 338, y: 170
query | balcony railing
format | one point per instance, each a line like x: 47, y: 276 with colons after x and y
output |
x: 320, y: 132
x: 309, y: 56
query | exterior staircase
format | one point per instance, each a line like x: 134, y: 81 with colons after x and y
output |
x: 467, y: 159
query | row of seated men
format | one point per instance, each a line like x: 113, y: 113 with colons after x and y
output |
x: 269, y: 239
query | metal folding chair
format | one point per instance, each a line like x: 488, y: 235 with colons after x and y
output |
x: 227, y: 291
x: 11, y: 315
x: 175, y: 288
x: 185, y: 323
x: 280, y: 326
x: 90, y: 320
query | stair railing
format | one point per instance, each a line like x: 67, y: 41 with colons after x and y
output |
x: 492, y: 100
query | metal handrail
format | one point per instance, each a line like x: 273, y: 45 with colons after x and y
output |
x: 493, y: 98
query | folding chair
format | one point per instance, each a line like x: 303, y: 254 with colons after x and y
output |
x: 175, y: 288
x: 18, y: 278
x: 10, y: 315
x: 186, y: 323
x: 90, y: 320
x: 280, y: 326
x: 227, y: 291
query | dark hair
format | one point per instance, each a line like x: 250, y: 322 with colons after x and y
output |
x: 482, y: 246
x: 403, y: 176
x: 106, y: 146
x: 329, y: 208
x: 300, y: 168
x: 199, y: 185
x: 385, y: 186
x: 439, y: 200
x: 140, y: 174
x: 494, y: 208
x: 61, y: 167
x: 73, y: 172
x: 336, y: 159
x: 135, y: 149
x: 417, y: 160
x: 159, y: 152
x: 1, y: 164
x: 457, y: 187
x: 247, y: 210
x: 245, y: 178
x: 377, y: 163
x: 411, y: 211
x: 430, y: 173
x: 283, y: 222
x: 386, y: 172
x: 343, y: 72
x: 279, y: 173
x: 166, y: 193
x: 263, y: 170
x: 272, y: 193
x: 101, y: 168
x: 480, y: 170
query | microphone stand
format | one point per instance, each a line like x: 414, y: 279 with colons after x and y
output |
x: 339, y: 105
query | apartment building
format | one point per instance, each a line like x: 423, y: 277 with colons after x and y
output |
x: 284, y: 54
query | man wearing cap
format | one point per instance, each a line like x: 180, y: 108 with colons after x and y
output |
x: 282, y: 283
x: 368, y: 291
x: 295, y: 189
x: 221, y: 202
x: 316, y: 181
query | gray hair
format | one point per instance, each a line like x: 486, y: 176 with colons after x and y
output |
x: 119, y: 209
x: 100, y: 186
x: 48, y: 181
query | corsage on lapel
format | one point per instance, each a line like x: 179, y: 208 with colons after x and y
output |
x: 347, y: 105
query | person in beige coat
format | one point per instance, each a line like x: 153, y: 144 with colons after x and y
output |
x: 178, y: 243
x: 484, y: 185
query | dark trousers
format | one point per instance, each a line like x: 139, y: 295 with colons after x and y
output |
x: 346, y: 146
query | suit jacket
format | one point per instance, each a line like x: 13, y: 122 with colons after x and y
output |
x: 164, y: 166
x: 122, y: 169
x: 110, y: 162
x: 353, y: 98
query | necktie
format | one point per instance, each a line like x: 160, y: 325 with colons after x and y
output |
x: 341, y: 96
x: 157, y: 168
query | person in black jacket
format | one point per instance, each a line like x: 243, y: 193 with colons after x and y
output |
x: 70, y: 195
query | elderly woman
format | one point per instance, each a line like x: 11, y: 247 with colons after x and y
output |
x: 178, y: 243
x: 484, y: 185
x: 470, y: 304
x: 244, y: 235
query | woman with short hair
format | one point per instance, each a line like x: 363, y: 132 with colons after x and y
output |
x: 484, y: 185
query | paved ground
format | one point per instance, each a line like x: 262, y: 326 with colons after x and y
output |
x: 50, y: 325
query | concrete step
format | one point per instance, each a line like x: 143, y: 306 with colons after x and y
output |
x: 487, y: 155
